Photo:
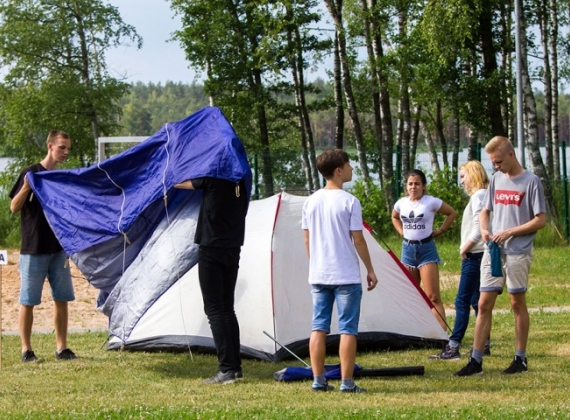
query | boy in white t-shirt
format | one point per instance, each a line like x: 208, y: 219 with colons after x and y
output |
x: 332, y: 229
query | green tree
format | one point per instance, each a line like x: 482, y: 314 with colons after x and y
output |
x: 54, y: 51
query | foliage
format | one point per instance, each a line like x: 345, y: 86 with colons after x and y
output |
x: 54, y: 52
x: 147, y: 107
x: 9, y: 224
x: 374, y: 208
x: 443, y: 184
x: 554, y: 234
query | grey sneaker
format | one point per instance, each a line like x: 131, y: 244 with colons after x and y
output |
x: 518, y: 365
x: 316, y: 387
x: 239, y: 375
x: 354, y: 390
x: 448, y: 353
x: 472, y: 368
x: 65, y: 354
x: 223, y: 378
x: 29, y: 356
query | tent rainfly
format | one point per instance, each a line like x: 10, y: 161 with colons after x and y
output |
x: 131, y: 234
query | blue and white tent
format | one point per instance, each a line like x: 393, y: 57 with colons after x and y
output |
x: 131, y: 235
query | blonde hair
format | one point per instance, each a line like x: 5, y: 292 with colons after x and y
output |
x: 54, y: 134
x: 477, y: 175
x: 499, y: 143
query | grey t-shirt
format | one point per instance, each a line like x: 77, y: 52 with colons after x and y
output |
x: 514, y: 202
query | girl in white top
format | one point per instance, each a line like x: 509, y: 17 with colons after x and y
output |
x: 413, y: 218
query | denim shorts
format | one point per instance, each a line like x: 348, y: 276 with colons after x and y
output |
x: 33, y: 271
x: 416, y: 255
x: 348, y: 298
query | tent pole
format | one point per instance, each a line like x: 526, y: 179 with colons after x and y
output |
x: 293, y: 354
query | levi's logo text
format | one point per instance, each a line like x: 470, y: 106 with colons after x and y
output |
x: 413, y: 222
x: 507, y: 197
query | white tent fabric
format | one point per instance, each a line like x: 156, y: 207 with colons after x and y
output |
x: 273, y: 295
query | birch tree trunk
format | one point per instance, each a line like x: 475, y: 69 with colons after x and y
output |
x: 302, y: 131
x: 313, y: 180
x: 456, y: 143
x: 542, y: 7
x: 473, y: 139
x: 374, y: 89
x: 405, y: 118
x: 86, y: 77
x: 554, y: 84
x: 430, y: 143
x: 414, y: 136
x: 506, y: 23
x: 338, y: 100
x: 335, y: 11
x: 386, y: 112
x: 537, y: 165
x: 441, y: 133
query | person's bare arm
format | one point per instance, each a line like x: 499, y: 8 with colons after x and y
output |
x: 185, y: 185
x: 306, y: 238
x: 362, y: 250
x: 537, y: 223
x: 484, y: 224
x: 449, y: 214
x: 20, y: 198
x: 397, y: 222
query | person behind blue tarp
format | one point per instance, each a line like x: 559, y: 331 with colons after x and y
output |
x: 220, y: 233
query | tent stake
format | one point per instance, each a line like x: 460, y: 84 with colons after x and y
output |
x: 293, y: 354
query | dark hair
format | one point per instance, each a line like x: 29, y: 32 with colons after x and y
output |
x: 418, y: 173
x: 329, y: 160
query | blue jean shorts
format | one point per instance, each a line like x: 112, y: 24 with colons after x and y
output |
x: 416, y: 255
x: 33, y: 271
x: 348, y: 298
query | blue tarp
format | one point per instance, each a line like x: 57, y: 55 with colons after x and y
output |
x: 108, y: 215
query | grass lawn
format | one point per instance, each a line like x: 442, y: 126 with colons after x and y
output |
x: 126, y: 385
x: 117, y: 385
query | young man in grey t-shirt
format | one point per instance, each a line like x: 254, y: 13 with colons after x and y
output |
x: 516, y: 199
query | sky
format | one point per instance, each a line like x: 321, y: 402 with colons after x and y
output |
x: 158, y: 60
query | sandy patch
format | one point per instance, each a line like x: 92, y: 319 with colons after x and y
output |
x: 82, y: 311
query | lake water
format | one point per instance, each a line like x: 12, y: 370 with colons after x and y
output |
x: 4, y: 161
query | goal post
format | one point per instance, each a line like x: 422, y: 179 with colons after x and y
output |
x: 123, y: 143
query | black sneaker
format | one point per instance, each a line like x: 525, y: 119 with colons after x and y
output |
x: 223, y: 378
x: 29, y: 356
x: 354, y: 390
x: 316, y: 387
x: 448, y: 353
x: 239, y: 375
x: 65, y: 354
x: 518, y: 365
x: 472, y: 368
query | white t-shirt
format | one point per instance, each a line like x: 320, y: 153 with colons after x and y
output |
x: 417, y: 216
x: 330, y: 216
